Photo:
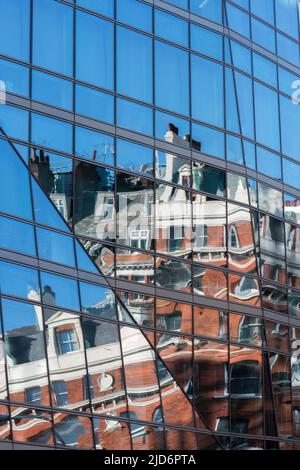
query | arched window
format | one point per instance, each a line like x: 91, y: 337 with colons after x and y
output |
x: 233, y: 237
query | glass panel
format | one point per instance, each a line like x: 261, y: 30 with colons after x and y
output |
x: 173, y: 221
x: 94, y: 146
x: 171, y: 27
x: 291, y: 173
x: 245, y: 329
x: 52, y: 90
x: 73, y: 431
x: 17, y: 236
x: 272, y: 249
x: 286, y: 16
x: 14, y: 183
x: 263, y: 35
x: 111, y: 434
x: 237, y: 20
x: 135, y: 14
x: 209, y: 141
x: 270, y: 200
x: 173, y: 169
x: 281, y: 386
x: 266, y: 115
x: 14, y: 122
x: 25, y: 350
x: 264, y: 70
x: 288, y: 50
x: 244, y: 289
x: 54, y: 173
x: 135, y: 117
x: 52, y: 133
x: 173, y: 316
x: 206, y: 42
x: 134, y: 62
x: 19, y: 281
x: 290, y: 127
x: 171, y: 62
x: 208, y: 179
x: 105, y: 7
x: 238, y: 55
x: 290, y: 208
x: 14, y: 28
x: 211, y: 382
x: 277, y: 336
x: 207, y: 91
x: 58, y: 290
x: 210, y: 323
x: 55, y: 247
x: 15, y: 77
x: 209, y: 226
x: 94, y: 50
x: 274, y: 298
x: 210, y: 283
x: 94, y: 209
x: 241, y: 253
x: 135, y: 210
x: 172, y: 274
x: 38, y: 426
x: 95, y: 104
x: 212, y: 9
x: 98, y: 301
x: 268, y: 163
x: 141, y: 308
x: 172, y: 129
x: 102, y: 255
x: 252, y: 188
x: 246, y: 391
x: 134, y: 157
x: 237, y: 188
x: 53, y: 36
x: 264, y: 10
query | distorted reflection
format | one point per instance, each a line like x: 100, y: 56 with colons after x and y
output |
x: 295, y: 369
x: 272, y: 249
x: 277, y: 336
x: 173, y: 316
x: 237, y: 189
x: 270, y: 200
x: 210, y: 323
x: 292, y: 243
x: 244, y: 289
x: 54, y: 174
x: 173, y: 169
x: 246, y: 390
x: 210, y: 283
x: 274, y: 298
x: 209, y: 226
x: 101, y: 254
x: 209, y: 179
x: 173, y: 221
x: 94, y: 201
x: 245, y: 329
x: 241, y: 253
x: 133, y: 265
x: 32, y: 426
x: 135, y: 204
x: 281, y: 388
x: 291, y: 208
x: 173, y: 274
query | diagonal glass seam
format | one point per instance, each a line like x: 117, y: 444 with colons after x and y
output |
x: 107, y: 280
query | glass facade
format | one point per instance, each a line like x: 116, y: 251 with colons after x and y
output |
x: 149, y: 232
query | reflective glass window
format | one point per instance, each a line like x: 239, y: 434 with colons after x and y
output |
x: 210, y: 322
x: 94, y: 50
x: 94, y: 104
x: 14, y: 121
x: 55, y: 247
x: 15, y: 77
x: 288, y: 50
x: 135, y: 14
x: 263, y: 35
x: 270, y: 200
x: 288, y: 82
x: 19, y: 281
x: 266, y: 116
x: 134, y: 63
x: 286, y: 16
x: 206, y: 42
x: 237, y: 189
x: 277, y: 336
x: 264, y: 70
x: 94, y: 145
x: 291, y: 208
x: 179, y: 3
x: 234, y: 149
x: 237, y: 20
x: 14, y: 28
x: 209, y: 179
x: 60, y: 291
x: 97, y: 300
x: 290, y: 127
x: 94, y: 201
x: 134, y: 116
x: 17, y: 236
x: 268, y: 163
x: 101, y: 254
x: 245, y: 329
x: 291, y: 173
x: 53, y: 36
x: 249, y: 153
x: 173, y: 169
x: 134, y: 157
x: 105, y: 7
x: 209, y: 141
x: 52, y: 90
x: 172, y: 274
x: 171, y: 93
x: 264, y: 10
x: 212, y: 9
x: 172, y: 129
x: 238, y: 55
x: 207, y: 91
x: 52, y: 133
x: 83, y: 260
x: 171, y: 27
x: 14, y: 183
